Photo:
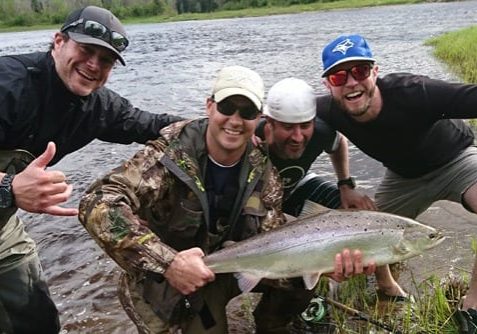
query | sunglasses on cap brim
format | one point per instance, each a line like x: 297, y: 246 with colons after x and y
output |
x: 228, y: 108
x: 358, y: 72
x: 100, y: 31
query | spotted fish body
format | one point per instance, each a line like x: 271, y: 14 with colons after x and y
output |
x: 307, y: 247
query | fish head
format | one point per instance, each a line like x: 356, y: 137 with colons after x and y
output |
x: 418, y: 237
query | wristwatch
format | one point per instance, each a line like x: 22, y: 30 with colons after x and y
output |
x: 349, y: 182
x: 6, y: 192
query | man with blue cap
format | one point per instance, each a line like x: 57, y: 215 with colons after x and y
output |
x: 413, y: 125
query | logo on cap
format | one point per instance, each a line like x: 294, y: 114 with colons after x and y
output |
x: 343, y: 46
x: 343, y: 49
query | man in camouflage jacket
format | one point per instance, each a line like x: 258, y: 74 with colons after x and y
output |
x: 154, y: 215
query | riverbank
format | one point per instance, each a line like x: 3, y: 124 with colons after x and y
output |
x: 458, y: 49
x: 170, y: 16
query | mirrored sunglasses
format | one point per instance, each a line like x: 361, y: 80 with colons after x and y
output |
x: 98, y: 30
x: 358, y: 72
x: 228, y: 108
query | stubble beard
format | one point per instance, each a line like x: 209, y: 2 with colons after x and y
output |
x: 361, y: 111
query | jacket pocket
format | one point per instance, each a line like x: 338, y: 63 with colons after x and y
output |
x: 185, y: 224
x: 253, y: 214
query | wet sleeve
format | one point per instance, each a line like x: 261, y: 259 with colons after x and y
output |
x: 126, y: 124
x: 449, y: 100
x: 109, y: 212
x: 12, y: 94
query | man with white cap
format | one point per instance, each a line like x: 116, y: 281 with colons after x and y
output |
x: 413, y: 125
x: 52, y: 104
x: 296, y: 138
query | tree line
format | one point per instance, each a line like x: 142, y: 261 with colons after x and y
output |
x: 30, y: 12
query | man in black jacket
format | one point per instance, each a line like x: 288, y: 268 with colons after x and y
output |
x: 413, y: 125
x: 55, y: 100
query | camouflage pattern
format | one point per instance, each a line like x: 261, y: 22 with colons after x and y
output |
x: 155, y: 204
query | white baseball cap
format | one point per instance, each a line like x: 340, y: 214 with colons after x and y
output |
x: 291, y: 100
x: 239, y: 80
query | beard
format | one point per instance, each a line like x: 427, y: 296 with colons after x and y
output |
x: 361, y: 110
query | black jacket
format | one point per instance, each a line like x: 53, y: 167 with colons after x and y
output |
x: 36, y: 107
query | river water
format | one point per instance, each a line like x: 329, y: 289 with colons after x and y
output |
x: 170, y: 68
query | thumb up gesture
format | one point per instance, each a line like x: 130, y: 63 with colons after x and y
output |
x: 40, y: 191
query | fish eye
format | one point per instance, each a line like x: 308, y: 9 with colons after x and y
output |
x: 433, y: 235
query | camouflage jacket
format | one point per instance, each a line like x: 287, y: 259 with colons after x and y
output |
x: 155, y: 204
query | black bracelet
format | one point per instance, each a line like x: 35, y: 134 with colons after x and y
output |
x: 348, y: 182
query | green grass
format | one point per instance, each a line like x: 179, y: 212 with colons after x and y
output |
x: 458, y: 49
x: 432, y: 311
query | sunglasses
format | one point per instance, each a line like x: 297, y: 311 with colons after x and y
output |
x: 100, y: 31
x: 358, y: 72
x: 228, y: 108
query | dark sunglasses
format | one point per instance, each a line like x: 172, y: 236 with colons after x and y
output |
x: 228, y: 108
x: 98, y: 30
x: 358, y: 72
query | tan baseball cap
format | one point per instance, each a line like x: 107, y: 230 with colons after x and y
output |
x: 239, y: 80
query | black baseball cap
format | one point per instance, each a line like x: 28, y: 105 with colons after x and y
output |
x: 104, y: 29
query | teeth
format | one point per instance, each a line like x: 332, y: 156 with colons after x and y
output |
x: 232, y: 132
x: 355, y: 94
x: 85, y: 75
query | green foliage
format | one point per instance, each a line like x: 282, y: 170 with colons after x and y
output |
x: 458, y: 49
x: 432, y: 311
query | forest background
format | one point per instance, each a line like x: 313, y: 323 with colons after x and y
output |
x: 32, y: 13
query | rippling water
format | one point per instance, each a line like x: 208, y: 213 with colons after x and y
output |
x: 170, y: 68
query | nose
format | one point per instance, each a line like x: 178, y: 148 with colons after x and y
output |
x: 350, y: 80
x: 236, y: 118
x: 297, y: 135
x: 94, y: 61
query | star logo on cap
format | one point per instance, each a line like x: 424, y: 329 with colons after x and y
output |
x: 343, y: 46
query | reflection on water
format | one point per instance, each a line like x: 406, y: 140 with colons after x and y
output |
x: 170, y: 68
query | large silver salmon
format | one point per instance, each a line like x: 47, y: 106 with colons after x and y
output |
x: 307, y: 247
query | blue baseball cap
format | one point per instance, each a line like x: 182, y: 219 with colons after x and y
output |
x: 344, y: 49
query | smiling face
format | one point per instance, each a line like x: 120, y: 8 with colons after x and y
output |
x: 83, y: 68
x: 359, y: 98
x: 288, y: 140
x: 227, y: 136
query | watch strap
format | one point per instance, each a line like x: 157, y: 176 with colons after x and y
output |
x: 349, y: 182
x: 7, y: 199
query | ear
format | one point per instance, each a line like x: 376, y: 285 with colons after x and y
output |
x: 326, y: 83
x: 267, y: 131
x: 209, y: 106
x: 58, y: 40
x: 375, y: 71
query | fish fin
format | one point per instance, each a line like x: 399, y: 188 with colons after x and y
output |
x: 310, y: 280
x: 247, y: 282
x: 289, y: 218
x: 310, y: 208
